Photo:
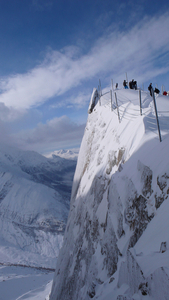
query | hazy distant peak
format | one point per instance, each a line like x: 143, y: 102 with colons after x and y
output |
x: 67, y: 154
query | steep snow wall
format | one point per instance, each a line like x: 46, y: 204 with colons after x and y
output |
x: 120, y: 186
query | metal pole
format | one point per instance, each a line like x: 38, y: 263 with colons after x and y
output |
x: 155, y: 107
x: 140, y: 102
x: 143, y: 86
x: 112, y: 84
x: 162, y: 89
x: 111, y: 99
x: 126, y: 78
x: 99, y: 95
x: 117, y: 107
x: 100, y: 87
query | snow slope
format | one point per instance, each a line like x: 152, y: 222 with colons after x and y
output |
x: 34, y: 204
x: 18, y: 283
x: 117, y: 224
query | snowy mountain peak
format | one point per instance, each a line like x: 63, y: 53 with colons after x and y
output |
x: 119, y: 199
x: 67, y: 154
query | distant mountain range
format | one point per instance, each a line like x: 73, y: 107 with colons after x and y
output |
x: 34, y: 203
x: 68, y: 154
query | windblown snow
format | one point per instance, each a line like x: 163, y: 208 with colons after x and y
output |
x: 116, y: 243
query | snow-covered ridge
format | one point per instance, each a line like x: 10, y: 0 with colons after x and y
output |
x: 67, y: 154
x: 119, y: 200
x: 34, y: 204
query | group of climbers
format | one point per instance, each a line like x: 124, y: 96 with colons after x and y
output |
x: 156, y: 90
x: 132, y: 84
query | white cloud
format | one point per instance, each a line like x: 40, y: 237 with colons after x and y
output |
x: 56, y: 133
x: 6, y: 136
x: 79, y: 100
x: 135, y: 51
x: 9, y: 114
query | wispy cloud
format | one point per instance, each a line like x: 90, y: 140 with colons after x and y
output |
x: 78, y: 100
x: 136, y: 51
x: 56, y: 133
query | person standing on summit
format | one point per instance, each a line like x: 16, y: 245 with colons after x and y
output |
x: 125, y: 84
x: 150, y: 88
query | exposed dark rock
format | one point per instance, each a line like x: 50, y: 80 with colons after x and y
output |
x: 99, y: 281
x: 111, y: 279
x: 98, y: 188
x: 163, y: 184
x: 143, y: 287
x: 94, y: 101
x: 120, y: 230
x: 91, y: 291
x: 162, y: 181
x: 138, y: 218
x: 146, y: 179
x: 163, y: 247
x: 120, y: 155
x: 159, y: 200
x: 114, y: 160
x: 95, y: 230
x: 109, y: 249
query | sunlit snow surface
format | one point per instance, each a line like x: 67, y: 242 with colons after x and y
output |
x: 111, y: 170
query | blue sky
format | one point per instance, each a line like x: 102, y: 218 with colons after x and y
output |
x: 53, y: 53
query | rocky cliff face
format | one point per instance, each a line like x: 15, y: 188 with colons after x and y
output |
x: 119, y: 195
